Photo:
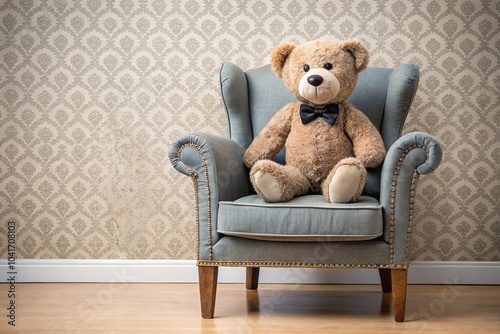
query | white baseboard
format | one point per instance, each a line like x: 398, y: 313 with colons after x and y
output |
x: 185, y: 271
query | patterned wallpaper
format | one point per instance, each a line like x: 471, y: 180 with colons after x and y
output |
x: 92, y: 92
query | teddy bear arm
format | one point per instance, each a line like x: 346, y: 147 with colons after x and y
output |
x: 368, y: 145
x: 271, y: 139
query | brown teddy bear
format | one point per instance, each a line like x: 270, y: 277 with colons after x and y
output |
x: 328, y: 141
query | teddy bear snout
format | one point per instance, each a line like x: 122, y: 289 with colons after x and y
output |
x: 318, y: 86
x: 315, y: 80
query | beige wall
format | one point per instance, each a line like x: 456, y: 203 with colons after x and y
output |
x: 92, y: 92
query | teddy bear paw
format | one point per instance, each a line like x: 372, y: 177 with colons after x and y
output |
x: 267, y: 186
x: 347, y: 181
x: 278, y: 183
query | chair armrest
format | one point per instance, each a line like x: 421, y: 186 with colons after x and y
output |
x: 410, y: 156
x: 216, y: 166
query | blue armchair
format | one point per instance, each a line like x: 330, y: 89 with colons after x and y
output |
x: 237, y: 228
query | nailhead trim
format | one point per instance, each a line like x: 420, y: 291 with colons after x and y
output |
x: 286, y: 264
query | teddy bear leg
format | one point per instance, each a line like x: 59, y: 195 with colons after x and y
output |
x: 345, y: 182
x: 277, y: 183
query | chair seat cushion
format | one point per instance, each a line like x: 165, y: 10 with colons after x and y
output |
x: 303, y: 219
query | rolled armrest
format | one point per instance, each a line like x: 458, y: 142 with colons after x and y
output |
x: 410, y: 156
x: 215, y: 164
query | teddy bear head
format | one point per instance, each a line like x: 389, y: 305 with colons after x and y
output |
x: 320, y: 72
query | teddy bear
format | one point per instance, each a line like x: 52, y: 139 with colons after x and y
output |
x: 329, y: 143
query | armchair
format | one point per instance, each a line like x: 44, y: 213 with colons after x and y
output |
x: 237, y: 228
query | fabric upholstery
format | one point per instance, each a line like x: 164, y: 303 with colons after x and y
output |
x: 289, y: 254
x: 305, y: 218
x: 234, y: 92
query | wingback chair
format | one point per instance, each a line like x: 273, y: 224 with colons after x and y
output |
x: 237, y: 228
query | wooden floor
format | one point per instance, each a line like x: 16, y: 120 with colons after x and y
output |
x: 174, y: 308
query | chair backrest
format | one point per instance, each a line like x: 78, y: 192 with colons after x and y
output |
x: 251, y: 98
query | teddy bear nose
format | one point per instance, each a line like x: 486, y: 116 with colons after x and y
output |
x: 315, y: 80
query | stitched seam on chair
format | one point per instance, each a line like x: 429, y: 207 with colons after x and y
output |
x: 287, y: 264
x: 393, y: 206
x: 272, y: 205
x: 409, y: 103
x: 224, y: 101
x: 302, y: 237
x: 194, y: 177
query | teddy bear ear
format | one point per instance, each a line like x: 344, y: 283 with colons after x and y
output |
x: 359, y: 52
x: 279, y: 55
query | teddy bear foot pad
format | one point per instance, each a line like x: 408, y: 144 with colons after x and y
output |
x: 267, y: 186
x: 346, y: 184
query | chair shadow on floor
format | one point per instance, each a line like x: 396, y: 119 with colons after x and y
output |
x: 447, y: 302
x: 265, y: 302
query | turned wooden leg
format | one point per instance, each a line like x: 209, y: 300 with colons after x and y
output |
x: 385, y: 279
x: 252, y: 278
x: 399, y: 282
x: 208, y: 288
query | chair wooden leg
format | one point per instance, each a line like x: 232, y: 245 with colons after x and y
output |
x: 385, y: 279
x: 399, y: 283
x: 252, y: 282
x: 208, y: 288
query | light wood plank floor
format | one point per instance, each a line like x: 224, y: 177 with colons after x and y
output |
x: 174, y: 308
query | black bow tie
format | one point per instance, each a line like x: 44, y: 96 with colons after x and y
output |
x: 329, y: 113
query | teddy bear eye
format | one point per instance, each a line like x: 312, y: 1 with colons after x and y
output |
x: 328, y: 66
x: 306, y: 68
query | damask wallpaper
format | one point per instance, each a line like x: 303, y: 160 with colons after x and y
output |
x: 92, y: 92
